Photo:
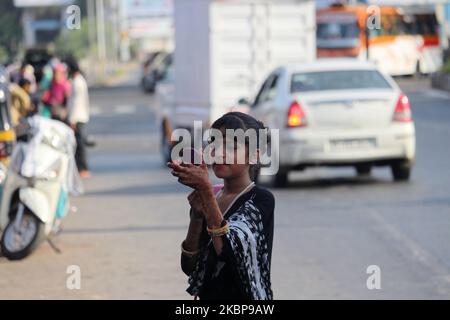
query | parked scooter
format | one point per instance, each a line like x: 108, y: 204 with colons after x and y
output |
x: 41, y: 175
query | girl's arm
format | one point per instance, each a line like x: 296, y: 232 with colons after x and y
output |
x: 194, y: 232
x: 197, y: 177
x: 213, y: 215
x: 191, y: 244
x: 196, y: 223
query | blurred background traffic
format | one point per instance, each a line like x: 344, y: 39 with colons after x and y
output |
x: 360, y: 93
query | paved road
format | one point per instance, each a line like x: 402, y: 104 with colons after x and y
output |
x: 330, y: 226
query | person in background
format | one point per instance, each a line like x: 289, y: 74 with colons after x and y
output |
x: 46, y: 81
x: 26, y: 85
x: 55, y: 98
x: 20, y: 101
x: 13, y: 69
x: 28, y: 74
x: 47, y: 73
x: 78, y: 114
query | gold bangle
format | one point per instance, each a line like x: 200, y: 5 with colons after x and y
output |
x: 216, y: 233
x: 186, y: 253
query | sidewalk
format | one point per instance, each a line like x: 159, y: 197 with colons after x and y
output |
x: 121, y: 74
x: 441, y: 81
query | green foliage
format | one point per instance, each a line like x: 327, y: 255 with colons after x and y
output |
x: 74, y: 42
x: 3, y: 55
x: 11, y: 29
x: 446, y: 67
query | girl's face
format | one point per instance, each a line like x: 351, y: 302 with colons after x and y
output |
x: 231, y: 152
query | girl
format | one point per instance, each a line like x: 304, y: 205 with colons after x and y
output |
x: 78, y: 114
x: 228, y: 249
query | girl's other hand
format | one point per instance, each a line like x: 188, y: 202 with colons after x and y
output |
x: 197, y: 205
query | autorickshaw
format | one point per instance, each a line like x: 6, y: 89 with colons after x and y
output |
x: 7, y: 134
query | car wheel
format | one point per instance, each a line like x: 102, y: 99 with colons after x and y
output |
x: 401, y: 171
x: 363, y: 170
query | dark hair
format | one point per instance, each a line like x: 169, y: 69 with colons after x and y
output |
x: 24, y: 82
x: 72, y: 65
x: 239, y: 120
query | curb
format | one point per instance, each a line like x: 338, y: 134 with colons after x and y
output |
x: 120, y: 75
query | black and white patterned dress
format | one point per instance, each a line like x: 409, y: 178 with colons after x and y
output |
x: 242, y: 271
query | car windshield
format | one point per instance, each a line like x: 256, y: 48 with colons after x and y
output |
x: 338, y: 80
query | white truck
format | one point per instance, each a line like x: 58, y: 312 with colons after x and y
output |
x: 225, y: 48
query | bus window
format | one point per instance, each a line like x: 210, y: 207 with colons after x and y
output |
x: 338, y: 31
x: 426, y: 24
x: 423, y: 24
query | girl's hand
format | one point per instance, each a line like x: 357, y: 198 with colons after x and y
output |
x: 197, y: 205
x: 192, y: 176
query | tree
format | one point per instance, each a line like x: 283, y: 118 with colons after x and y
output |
x: 74, y: 42
x: 11, y: 30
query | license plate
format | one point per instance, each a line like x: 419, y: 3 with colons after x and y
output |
x: 353, y: 144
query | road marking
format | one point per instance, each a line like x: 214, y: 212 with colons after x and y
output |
x: 125, y: 109
x: 118, y: 110
x: 95, y: 110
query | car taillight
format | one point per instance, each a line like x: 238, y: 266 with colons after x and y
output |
x: 296, y: 116
x: 403, y: 110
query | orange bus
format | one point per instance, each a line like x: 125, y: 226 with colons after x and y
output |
x: 422, y: 23
x: 399, y: 43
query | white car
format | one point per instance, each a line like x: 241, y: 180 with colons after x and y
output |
x: 337, y: 112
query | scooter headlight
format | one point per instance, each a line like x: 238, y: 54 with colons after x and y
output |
x: 53, y: 171
x: 53, y: 139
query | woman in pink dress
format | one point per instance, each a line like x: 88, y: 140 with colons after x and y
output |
x: 56, y: 96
